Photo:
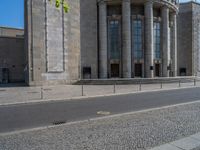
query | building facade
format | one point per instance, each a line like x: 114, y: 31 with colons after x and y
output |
x: 102, y: 39
x: 129, y: 39
x: 189, y: 39
x: 12, y: 55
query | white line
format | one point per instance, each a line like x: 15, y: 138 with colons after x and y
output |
x: 99, y: 118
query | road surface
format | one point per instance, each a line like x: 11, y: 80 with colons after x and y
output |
x: 26, y: 116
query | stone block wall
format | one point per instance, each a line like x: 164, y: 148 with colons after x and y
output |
x: 184, y: 28
x: 12, y: 54
x: 89, y: 27
x: 52, y: 42
x: 196, y: 38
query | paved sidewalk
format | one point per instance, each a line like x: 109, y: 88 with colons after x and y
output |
x: 12, y: 95
x: 189, y: 143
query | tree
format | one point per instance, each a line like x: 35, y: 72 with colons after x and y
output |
x: 62, y: 2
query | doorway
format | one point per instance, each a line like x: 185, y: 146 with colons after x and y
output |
x: 157, y: 70
x: 138, y: 70
x: 114, y: 70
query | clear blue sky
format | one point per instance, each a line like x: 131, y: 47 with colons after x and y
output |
x: 12, y: 13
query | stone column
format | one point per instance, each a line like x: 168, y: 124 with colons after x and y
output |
x: 165, y: 42
x: 126, y: 38
x: 174, y: 44
x: 103, y: 69
x: 148, y: 54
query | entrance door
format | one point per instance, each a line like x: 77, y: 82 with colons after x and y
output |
x: 138, y: 70
x: 157, y: 70
x: 114, y: 70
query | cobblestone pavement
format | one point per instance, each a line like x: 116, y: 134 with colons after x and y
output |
x: 12, y: 95
x: 142, y: 130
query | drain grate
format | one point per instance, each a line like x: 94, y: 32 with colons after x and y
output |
x: 59, y: 122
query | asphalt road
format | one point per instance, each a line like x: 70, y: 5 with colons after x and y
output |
x: 26, y: 116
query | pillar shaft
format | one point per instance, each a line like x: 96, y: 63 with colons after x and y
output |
x: 165, y: 42
x: 126, y: 37
x: 103, y: 69
x: 149, y: 40
x: 174, y: 45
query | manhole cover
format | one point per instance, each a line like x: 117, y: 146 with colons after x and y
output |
x: 103, y: 113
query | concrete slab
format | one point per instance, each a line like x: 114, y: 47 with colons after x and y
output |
x: 196, y: 136
x: 166, y: 147
x: 186, y: 143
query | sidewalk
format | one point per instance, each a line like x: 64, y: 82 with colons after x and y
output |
x: 13, y: 95
x: 189, y: 143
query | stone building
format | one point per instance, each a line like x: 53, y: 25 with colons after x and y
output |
x: 189, y: 39
x: 100, y: 39
x: 12, y: 55
x: 129, y: 38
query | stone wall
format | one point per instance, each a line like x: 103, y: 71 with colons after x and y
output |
x: 185, y: 38
x: 89, y: 27
x: 52, y: 42
x: 189, y: 38
x: 196, y: 38
x: 12, y: 55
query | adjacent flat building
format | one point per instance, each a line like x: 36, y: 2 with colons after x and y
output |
x: 103, y: 39
x: 12, y: 55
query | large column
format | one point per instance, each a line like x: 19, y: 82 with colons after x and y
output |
x: 149, y: 73
x: 103, y: 70
x: 126, y: 37
x: 174, y: 44
x: 165, y: 42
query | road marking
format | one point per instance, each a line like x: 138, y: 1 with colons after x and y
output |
x: 103, y: 113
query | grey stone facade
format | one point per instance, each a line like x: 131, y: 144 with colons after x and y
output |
x: 61, y: 48
x: 188, y: 39
x: 53, y: 42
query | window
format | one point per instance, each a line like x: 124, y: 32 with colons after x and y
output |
x: 157, y: 40
x: 114, y: 39
x: 137, y: 39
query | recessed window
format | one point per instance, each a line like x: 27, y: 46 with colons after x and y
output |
x: 157, y: 40
x: 137, y: 39
x: 114, y: 39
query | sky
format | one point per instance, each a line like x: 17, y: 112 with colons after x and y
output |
x: 12, y: 13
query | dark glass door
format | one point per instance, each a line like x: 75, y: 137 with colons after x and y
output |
x: 157, y: 70
x: 138, y: 70
x: 114, y: 70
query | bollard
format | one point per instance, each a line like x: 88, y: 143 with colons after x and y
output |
x: 41, y: 93
x: 140, y: 88
x: 161, y: 85
x: 195, y: 82
x: 82, y: 93
x: 179, y: 83
x: 114, y: 88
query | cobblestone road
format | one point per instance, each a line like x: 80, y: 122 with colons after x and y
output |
x: 128, y: 132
